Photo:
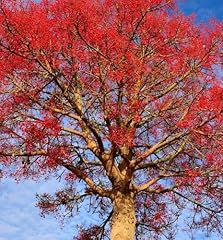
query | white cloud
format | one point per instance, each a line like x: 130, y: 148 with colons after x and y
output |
x: 20, y: 219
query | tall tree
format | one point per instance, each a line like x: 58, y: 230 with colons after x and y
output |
x: 120, y: 100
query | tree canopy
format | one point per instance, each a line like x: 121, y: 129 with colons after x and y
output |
x: 120, y: 100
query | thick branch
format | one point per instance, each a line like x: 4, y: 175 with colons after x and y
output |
x: 80, y: 174
x: 170, y: 158
x: 93, y: 187
x: 155, y: 147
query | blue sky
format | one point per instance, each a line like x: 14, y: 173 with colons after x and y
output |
x: 20, y: 219
x: 204, y: 9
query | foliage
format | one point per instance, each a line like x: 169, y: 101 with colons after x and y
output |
x: 113, y: 96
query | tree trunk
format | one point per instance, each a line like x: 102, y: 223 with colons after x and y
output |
x: 123, y: 218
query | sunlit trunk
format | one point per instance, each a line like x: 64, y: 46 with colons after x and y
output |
x: 123, y: 218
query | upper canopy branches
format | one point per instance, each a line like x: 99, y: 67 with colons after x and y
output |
x: 123, y: 94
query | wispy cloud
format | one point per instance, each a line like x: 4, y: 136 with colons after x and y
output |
x: 20, y: 219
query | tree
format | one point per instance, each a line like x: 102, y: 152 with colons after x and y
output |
x: 122, y: 101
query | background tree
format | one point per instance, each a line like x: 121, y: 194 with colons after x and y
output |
x: 122, y: 102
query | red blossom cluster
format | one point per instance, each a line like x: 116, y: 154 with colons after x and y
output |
x: 117, y: 98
